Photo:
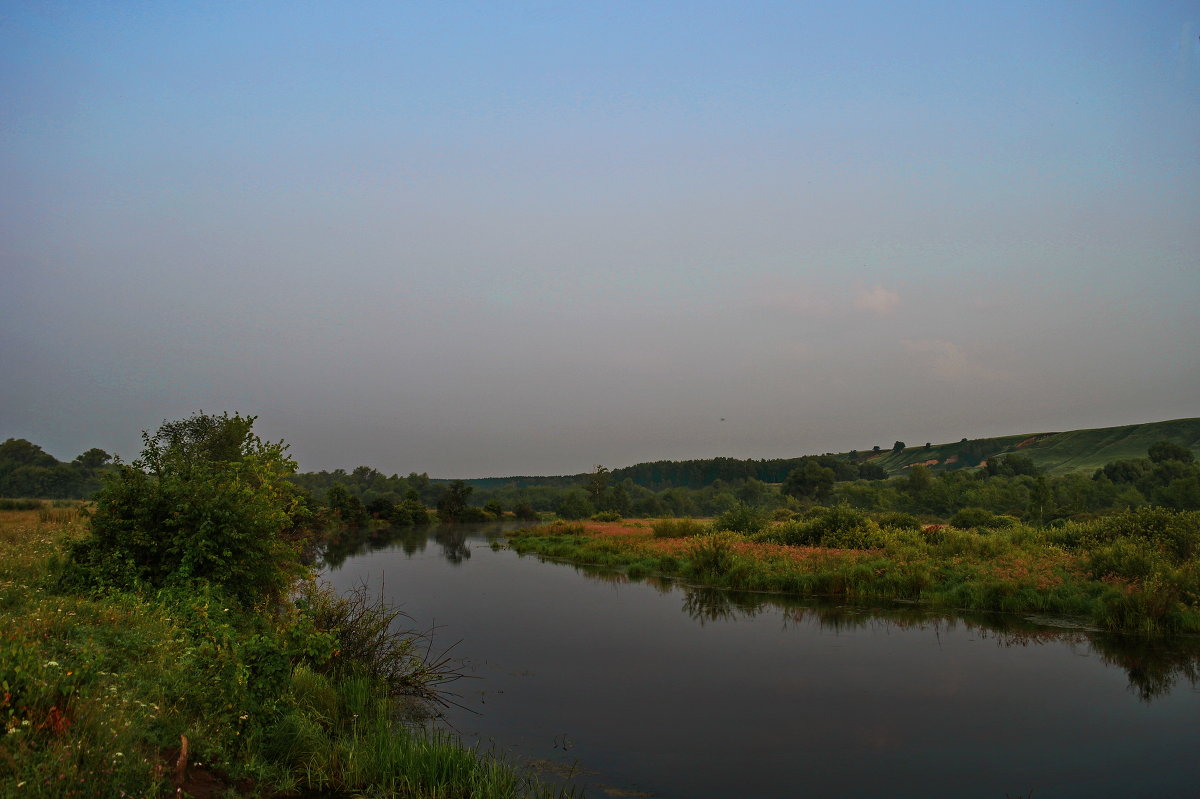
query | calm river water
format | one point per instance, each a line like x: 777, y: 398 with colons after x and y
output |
x: 650, y: 689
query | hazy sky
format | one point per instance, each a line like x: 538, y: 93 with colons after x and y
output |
x: 487, y: 238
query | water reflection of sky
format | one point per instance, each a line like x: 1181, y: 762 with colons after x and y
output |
x: 754, y: 695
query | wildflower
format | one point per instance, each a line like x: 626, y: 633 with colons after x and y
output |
x: 50, y: 663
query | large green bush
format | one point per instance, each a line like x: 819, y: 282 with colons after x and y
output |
x: 207, y: 501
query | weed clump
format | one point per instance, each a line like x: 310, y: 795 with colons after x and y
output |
x: 679, y: 528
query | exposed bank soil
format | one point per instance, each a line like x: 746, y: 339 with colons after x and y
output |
x: 196, y: 780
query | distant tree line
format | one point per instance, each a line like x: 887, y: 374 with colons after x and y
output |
x: 26, y: 470
x: 1009, y: 485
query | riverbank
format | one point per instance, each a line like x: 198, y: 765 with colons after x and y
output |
x: 1131, y: 572
x: 127, y: 693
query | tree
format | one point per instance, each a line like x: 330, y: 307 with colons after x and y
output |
x: 596, y: 484
x: 575, y: 505
x: 1168, y: 451
x: 898, y: 446
x: 207, y: 501
x: 453, y: 502
x: 811, y: 482
x: 871, y: 471
x: 93, y: 459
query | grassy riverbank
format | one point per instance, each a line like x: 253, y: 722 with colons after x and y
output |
x: 1134, y: 572
x: 98, y: 690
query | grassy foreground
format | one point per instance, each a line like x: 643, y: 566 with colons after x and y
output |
x: 1133, y: 572
x: 99, y: 691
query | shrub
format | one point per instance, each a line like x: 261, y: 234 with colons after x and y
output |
x: 207, y: 501
x: 1175, y: 533
x: 607, y: 516
x: 742, y: 518
x: 679, y: 528
x: 712, y: 555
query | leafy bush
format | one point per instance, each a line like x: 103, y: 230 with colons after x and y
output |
x: 840, y: 527
x: 679, y: 528
x: 742, y: 518
x: 208, y: 501
x: 607, y: 516
x: 1175, y: 533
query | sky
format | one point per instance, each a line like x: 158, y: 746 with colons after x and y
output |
x: 490, y: 238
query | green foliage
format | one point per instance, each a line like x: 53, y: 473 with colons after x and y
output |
x: 208, y: 501
x: 1162, y: 451
x: 525, y: 512
x: 1011, y: 466
x: 810, y: 482
x: 452, y: 504
x: 742, y: 518
x: 607, y: 516
x: 575, y: 505
x: 346, y: 507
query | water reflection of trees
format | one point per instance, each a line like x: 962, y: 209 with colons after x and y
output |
x: 1154, y: 667
x: 342, y: 544
x: 453, y: 540
x: 706, y: 605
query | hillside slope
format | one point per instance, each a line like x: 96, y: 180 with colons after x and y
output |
x: 1053, y: 453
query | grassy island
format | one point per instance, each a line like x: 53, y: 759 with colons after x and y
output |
x: 1133, y: 572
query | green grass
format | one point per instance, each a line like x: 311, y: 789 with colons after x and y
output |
x: 97, y: 690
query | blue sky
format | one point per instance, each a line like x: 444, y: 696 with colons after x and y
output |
x: 499, y: 238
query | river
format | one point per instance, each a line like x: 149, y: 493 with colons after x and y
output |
x: 645, y: 688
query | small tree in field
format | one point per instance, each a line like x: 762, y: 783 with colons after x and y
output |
x: 207, y: 501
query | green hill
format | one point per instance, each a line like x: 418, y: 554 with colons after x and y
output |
x: 1053, y: 453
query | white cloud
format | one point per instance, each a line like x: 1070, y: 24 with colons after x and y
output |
x: 947, y: 361
x: 876, y: 299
